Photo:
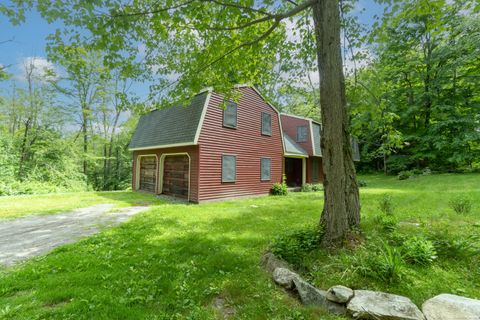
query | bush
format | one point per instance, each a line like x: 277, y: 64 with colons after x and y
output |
x: 362, y: 183
x: 385, y: 204
x: 453, y: 247
x: 307, y: 187
x: 386, y: 264
x: 387, y: 222
x: 317, y: 187
x: 419, y: 251
x: 404, y: 175
x: 280, y: 189
x: 292, y: 246
x: 461, y: 205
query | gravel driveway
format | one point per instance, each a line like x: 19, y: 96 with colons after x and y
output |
x: 31, y: 236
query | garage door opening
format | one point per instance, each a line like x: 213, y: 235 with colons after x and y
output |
x: 176, y: 171
x: 148, y: 174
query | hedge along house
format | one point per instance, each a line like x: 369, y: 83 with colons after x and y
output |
x: 205, y: 152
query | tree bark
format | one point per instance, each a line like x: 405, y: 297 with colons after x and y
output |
x: 341, y: 211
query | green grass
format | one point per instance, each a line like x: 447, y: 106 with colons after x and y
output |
x: 17, y: 206
x: 174, y: 260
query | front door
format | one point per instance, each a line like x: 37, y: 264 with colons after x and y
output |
x: 176, y: 176
x: 293, y: 172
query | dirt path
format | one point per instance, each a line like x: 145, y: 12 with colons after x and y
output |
x: 31, y: 236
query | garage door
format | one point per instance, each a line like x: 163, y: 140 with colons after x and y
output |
x: 175, y: 176
x: 148, y: 177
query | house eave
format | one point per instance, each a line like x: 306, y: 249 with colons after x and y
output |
x: 163, y: 146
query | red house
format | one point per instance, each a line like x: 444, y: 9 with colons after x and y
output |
x: 205, y: 151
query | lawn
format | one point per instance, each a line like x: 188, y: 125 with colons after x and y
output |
x: 173, y: 261
x: 17, y: 206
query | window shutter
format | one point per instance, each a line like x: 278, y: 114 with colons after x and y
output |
x: 265, y: 167
x: 230, y: 115
x: 229, y: 168
x: 302, y: 133
x: 266, y: 124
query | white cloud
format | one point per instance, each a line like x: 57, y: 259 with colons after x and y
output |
x: 40, y: 69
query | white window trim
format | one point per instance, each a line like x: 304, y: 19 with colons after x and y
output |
x: 162, y: 170
x: 137, y: 171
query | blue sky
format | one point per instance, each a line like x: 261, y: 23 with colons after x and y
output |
x: 29, y: 38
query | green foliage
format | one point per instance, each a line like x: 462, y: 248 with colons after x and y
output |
x: 311, y: 187
x: 280, y: 188
x: 461, y: 204
x: 404, y: 175
x: 385, y: 204
x: 293, y: 245
x: 386, y: 264
x: 388, y: 223
x: 419, y: 250
x: 454, y: 246
x: 361, y: 183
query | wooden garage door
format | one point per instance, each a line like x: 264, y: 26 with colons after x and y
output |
x: 175, y: 176
x: 148, y: 177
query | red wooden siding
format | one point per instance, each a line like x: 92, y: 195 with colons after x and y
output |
x: 289, y: 126
x: 310, y: 170
x: 246, y: 142
x: 192, y: 152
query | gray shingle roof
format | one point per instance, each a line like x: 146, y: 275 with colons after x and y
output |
x: 173, y: 125
x: 291, y: 147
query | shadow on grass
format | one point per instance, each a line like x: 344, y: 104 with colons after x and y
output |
x: 168, y: 263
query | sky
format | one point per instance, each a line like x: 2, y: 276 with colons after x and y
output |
x: 29, y: 39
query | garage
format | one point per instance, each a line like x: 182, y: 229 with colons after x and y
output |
x: 176, y: 176
x: 148, y: 174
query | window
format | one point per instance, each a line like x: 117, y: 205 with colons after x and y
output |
x: 302, y: 134
x: 265, y: 168
x: 266, y: 124
x: 230, y: 115
x: 229, y: 168
x: 315, y: 169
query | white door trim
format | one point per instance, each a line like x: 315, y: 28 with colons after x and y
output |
x: 162, y: 169
x: 137, y: 170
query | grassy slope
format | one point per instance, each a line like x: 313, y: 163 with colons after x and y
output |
x: 17, y: 206
x: 172, y: 261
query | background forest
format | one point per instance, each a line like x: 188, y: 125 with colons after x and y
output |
x: 413, y: 90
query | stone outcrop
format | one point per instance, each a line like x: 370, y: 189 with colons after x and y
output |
x: 449, y: 306
x: 382, y: 306
x: 284, y: 277
x: 339, y: 294
x: 309, y: 295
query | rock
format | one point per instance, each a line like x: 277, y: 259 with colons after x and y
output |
x: 449, y: 306
x: 270, y: 262
x: 223, y: 309
x: 379, y: 305
x: 309, y: 295
x: 339, y: 294
x: 284, y: 277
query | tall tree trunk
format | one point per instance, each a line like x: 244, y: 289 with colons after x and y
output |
x: 85, y: 138
x: 341, y: 210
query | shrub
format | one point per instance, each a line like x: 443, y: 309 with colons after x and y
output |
x: 404, y: 175
x: 418, y: 250
x: 280, y: 189
x: 453, y: 247
x: 385, y: 204
x: 386, y: 264
x: 292, y: 245
x: 307, y: 187
x: 461, y: 205
x: 317, y: 187
x: 387, y: 222
x: 362, y: 183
